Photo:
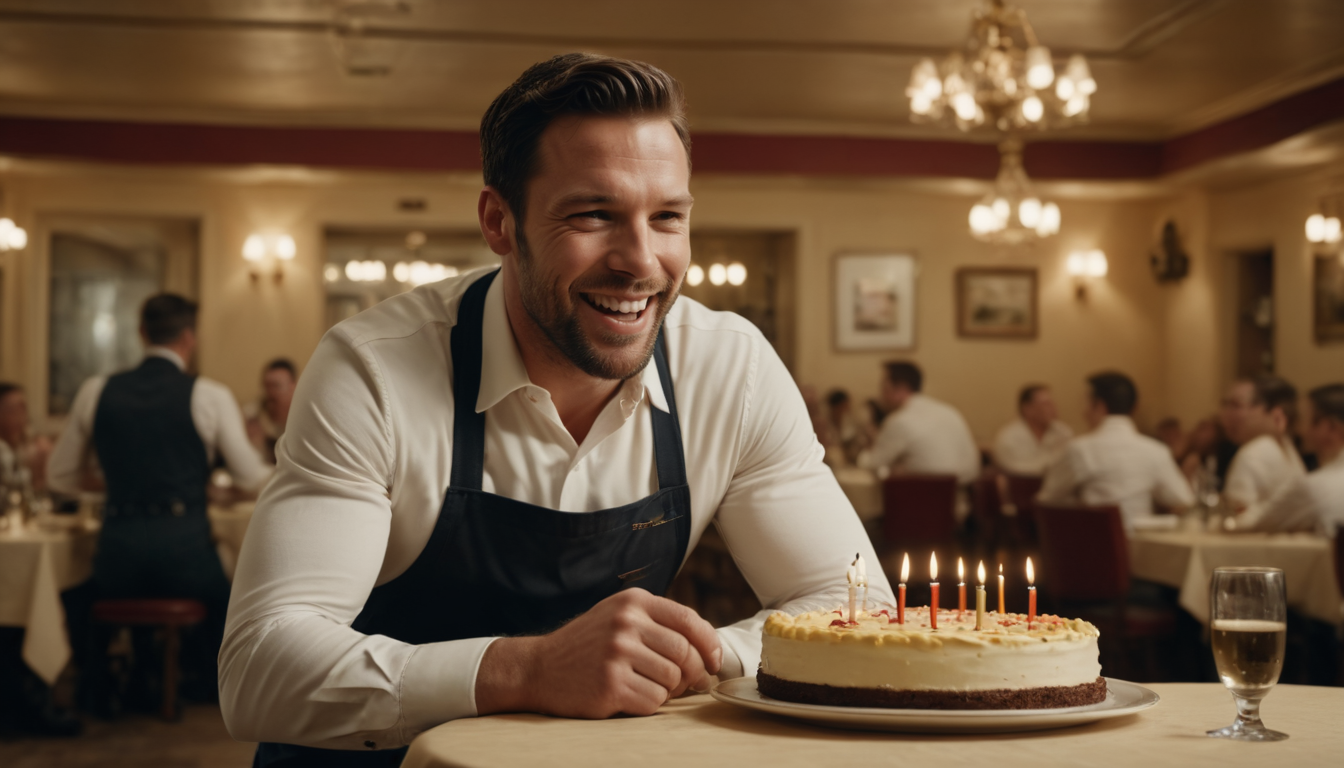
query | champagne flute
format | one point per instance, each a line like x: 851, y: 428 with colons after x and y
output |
x: 1248, y: 629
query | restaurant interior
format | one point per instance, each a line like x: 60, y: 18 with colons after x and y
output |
x: 1013, y: 197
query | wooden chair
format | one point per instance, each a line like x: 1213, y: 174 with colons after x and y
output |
x: 1084, y: 572
x: 1022, y: 490
x: 919, y: 513
x: 169, y: 615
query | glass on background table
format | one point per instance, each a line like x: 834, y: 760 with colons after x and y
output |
x: 1248, y: 631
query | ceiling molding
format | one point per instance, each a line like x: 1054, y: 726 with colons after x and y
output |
x: 724, y: 153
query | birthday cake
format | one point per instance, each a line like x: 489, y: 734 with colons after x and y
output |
x: 875, y: 661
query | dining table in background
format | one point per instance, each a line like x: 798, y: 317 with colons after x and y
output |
x: 1186, y: 559
x: 863, y: 489
x: 36, y: 565
x: 699, y: 731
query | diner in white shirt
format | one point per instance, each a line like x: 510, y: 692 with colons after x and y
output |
x: 214, y: 412
x: 1030, y: 443
x: 1313, y: 501
x: 1114, y: 464
x: 369, y: 443
x: 920, y: 435
x: 1266, y: 460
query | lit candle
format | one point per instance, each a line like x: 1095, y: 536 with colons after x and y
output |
x: 1031, y: 594
x: 851, y: 574
x: 961, y: 588
x: 933, y: 603
x: 900, y: 598
x: 862, y: 568
x: 980, y: 597
x: 1001, y: 611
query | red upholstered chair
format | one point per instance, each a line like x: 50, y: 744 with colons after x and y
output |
x: 1022, y: 490
x: 1084, y: 571
x: 987, y: 509
x: 1339, y: 577
x: 171, y: 616
x: 919, y: 513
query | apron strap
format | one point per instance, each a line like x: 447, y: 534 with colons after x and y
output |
x: 469, y: 426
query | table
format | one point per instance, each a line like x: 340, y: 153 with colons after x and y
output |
x: 35, y: 566
x: 698, y: 731
x: 863, y: 489
x: 229, y: 526
x: 1186, y: 559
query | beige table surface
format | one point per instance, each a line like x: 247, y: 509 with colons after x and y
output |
x: 229, y: 526
x: 863, y: 489
x: 1186, y: 559
x: 699, y: 731
x: 35, y: 566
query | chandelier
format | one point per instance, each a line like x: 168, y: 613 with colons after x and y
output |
x: 1012, y: 213
x: 1003, y: 78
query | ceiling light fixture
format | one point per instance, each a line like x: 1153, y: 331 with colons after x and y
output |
x: 1003, y: 78
x: 1013, y: 213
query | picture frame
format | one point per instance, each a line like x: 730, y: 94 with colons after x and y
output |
x: 997, y: 303
x: 874, y: 298
x: 1328, y: 292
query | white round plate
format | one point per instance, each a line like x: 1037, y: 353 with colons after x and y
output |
x: 1122, y: 698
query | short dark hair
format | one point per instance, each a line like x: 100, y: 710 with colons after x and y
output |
x: 1273, y: 392
x: 902, y: 372
x: 836, y: 397
x: 165, y: 316
x: 1026, y: 393
x: 569, y: 84
x: 281, y: 364
x: 1328, y: 401
x: 8, y: 386
x: 1116, y: 391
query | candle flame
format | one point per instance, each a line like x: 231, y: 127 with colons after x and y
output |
x: 1000, y: 569
x: 961, y: 570
x: 981, y: 572
x: 933, y: 566
x: 1031, y: 572
x: 905, y: 568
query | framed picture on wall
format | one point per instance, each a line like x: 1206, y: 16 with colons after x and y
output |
x: 874, y: 301
x: 996, y: 303
x: 1329, y: 289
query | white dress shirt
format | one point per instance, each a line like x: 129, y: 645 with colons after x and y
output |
x: 1260, y: 469
x: 1312, y: 502
x: 926, y: 436
x: 1114, y: 464
x: 365, y: 462
x: 214, y: 412
x: 1017, y: 450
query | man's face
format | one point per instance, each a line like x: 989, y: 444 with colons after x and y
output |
x: 605, y: 240
x: 278, y: 385
x: 893, y: 395
x: 1241, y: 416
x: 13, y: 413
x: 1324, y: 436
x: 1040, y: 410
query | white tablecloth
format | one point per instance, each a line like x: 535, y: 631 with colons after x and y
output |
x: 863, y: 489
x: 35, y: 566
x: 1186, y: 559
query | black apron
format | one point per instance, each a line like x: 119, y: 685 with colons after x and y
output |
x: 506, y: 567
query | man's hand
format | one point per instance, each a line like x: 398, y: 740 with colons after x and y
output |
x: 629, y: 654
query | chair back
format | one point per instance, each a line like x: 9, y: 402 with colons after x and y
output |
x: 986, y: 503
x: 919, y: 510
x: 1022, y: 490
x: 1084, y: 553
x: 1339, y: 558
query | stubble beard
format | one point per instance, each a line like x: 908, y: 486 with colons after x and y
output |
x: 559, y: 320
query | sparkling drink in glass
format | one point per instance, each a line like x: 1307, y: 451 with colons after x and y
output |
x: 1248, y: 631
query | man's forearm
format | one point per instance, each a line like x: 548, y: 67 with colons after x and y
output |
x: 502, y: 679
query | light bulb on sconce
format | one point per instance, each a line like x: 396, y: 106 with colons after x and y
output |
x: 1324, y: 233
x: 267, y: 252
x: 12, y: 236
x: 1084, y: 267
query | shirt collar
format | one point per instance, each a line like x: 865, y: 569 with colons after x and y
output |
x: 166, y: 354
x: 503, y: 371
x: 1121, y: 423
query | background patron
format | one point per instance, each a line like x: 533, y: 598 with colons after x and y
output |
x: 1031, y: 442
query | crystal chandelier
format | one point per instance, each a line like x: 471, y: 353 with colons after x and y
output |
x: 1012, y: 213
x: 1003, y: 78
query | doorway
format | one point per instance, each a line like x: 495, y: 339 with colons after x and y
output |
x: 1255, y: 314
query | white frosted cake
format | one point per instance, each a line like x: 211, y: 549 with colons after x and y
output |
x: 820, y: 658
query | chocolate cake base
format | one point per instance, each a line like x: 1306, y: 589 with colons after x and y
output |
x: 1052, y: 697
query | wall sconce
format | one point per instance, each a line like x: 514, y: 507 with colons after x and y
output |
x: 1323, y: 230
x: 12, y: 236
x: 718, y: 274
x: 271, y: 251
x: 1085, y: 266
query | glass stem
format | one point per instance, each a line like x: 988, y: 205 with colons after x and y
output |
x: 1248, y: 712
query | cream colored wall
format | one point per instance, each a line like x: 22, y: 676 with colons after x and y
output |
x: 1119, y: 326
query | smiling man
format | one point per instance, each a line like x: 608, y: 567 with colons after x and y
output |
x: 486, y: 484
